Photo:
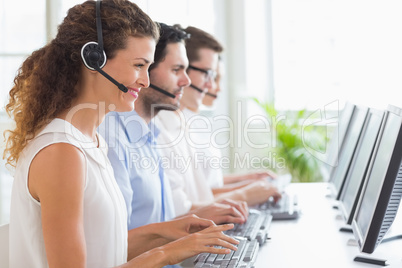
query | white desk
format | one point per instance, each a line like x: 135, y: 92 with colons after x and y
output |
x: 314, y: 239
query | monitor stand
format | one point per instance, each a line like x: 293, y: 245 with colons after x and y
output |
x: 371, y: 261
x: 346, y: 229
x: 375, y: 261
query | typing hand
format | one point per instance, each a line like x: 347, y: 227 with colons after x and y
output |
x: 259, y: 192
x: 203, y: 241
x: 241, y: 206
x: 222, y: 213
x: 184, y: 226
x: 261, y: 175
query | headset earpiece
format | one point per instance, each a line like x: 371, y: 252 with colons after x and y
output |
x: 93, y: 56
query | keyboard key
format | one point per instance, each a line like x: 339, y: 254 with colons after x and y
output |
x: 199, y: 265
x: 219, y: 259
x: 232, y: 264
x: 225, y: 263
x: 251, y: 250
x: 211, y: 258
x: 240, y: 249
x: 266, y: 222
x: 244, y: 256
x: 201, y: 258
x: 228, y: 256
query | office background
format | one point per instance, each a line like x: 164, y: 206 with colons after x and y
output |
x: 296, y: 53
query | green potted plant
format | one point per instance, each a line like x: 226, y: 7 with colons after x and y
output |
x: 296, y: 142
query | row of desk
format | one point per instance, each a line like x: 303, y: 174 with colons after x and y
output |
x: 314, y: 239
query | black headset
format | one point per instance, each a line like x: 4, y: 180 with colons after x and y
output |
x: 163, y: 91
x: 93, y: 55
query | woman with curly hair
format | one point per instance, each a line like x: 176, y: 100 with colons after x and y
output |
x: 66, y: 208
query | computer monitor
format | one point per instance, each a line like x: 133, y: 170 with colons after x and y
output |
x: 358, y: 167
x: 347, y: 150
x: 382, y: 189
x: 338, y: 136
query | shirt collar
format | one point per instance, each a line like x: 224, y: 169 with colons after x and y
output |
x: 137, y: 129
x: 188, y: 113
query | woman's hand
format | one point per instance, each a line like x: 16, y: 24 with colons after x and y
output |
x: 259, y: 192
x: 249, y: 177
x: 183, y: 226
x: 188, y: 245
x: 260, y: 175
x: 203, y: 241
x: 223, y: 212
x: 241, y: 206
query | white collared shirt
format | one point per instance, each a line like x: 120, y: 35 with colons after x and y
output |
x: 188, y: 185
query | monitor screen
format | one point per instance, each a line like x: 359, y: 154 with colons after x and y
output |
x: 338, y: 135
x: 347, y: 150
x: 382, y: 189
x: 358, y: 167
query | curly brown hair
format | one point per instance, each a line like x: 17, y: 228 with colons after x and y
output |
x: 45, y: 84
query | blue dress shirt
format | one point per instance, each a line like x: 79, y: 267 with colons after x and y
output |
x: 137, y: 168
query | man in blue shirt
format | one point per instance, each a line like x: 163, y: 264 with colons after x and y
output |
x: 136, y: 168
x: 131, y: 139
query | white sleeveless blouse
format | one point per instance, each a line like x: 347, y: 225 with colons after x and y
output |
x: 105, y: 216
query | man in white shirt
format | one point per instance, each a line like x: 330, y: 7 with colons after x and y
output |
x: 188, y: 180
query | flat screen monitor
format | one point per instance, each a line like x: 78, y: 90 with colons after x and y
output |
x: 347, y: 150
x: 358, y: 167
x: 381, y: 194
x: 338, y: 135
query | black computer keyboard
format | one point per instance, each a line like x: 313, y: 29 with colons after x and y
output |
x: 256, y: 227
x: 244, y: 257
x: 284, y: 208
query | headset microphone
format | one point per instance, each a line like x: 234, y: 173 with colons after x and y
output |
x: 197, y: 88
x: 120, y: 86
x: 211, y: 95
x: 93, y: 55
x: 201, y: 91
x: 162, y: 91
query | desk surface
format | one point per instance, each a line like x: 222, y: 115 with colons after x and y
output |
x: 314, y: 239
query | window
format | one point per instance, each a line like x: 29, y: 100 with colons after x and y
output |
x: 23, y: 30
x: 326, y: 50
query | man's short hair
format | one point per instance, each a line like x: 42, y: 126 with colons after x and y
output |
x: 168, y: 34
x: 200, y: 39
